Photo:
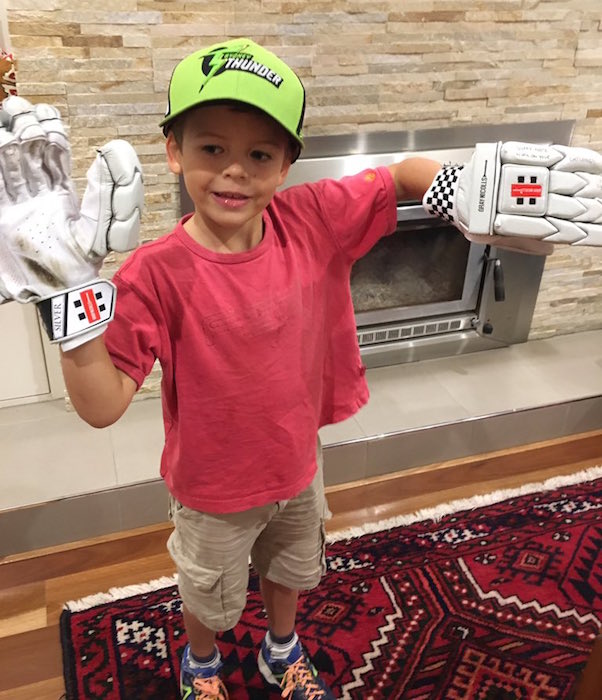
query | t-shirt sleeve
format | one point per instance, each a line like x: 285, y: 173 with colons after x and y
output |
x: 133, y: 337
x: 359, y: 209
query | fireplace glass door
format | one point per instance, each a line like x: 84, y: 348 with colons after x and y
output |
x: 426, y: 268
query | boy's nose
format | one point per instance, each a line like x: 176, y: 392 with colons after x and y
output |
x: 235, y: 169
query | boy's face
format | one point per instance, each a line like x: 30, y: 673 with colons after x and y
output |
x: 232, y: 161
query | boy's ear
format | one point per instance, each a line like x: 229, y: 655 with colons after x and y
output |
x: 174, y: 155
x: 286, y: 166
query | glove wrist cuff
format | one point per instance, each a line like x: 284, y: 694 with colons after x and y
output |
x: 440, y: 198
x: 78, y: 310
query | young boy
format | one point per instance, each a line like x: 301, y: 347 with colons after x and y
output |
x: 247, y: 306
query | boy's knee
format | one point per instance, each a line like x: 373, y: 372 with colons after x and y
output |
x: 206, y: 598
x: 218, y: 621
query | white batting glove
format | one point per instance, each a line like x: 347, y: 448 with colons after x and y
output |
x: 51, y: 249
x: 523, y: 196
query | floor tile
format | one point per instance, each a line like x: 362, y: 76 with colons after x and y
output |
x: 137, y: 440
x: 345, y: 431
x: 405, y: 397
x: 53, y: 458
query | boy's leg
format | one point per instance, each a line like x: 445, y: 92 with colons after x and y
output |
x: 211, y: 553
x: 200, y: 638
x: 290, y: 551
x: 201, y: 662
x: 280, y: 605
x: 289, y: 556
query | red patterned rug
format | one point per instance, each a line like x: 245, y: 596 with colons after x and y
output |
x: 495, y: 602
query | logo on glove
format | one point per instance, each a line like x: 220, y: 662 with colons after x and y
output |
x: 87, y: 300
x: 75, y: 311
x: 522, y: 191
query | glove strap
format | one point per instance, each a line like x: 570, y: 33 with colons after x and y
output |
x: 78, y: 310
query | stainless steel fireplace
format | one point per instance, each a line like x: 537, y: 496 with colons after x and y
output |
x: 425, y: 291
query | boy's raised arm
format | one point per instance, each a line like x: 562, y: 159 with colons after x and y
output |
x: 413, y: 177
x: 52, y: 249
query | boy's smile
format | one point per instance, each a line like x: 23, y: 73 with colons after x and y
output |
x: 232, y: 159
x: 231, y: 200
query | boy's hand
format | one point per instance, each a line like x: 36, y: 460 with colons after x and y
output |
x: 523, y: 196
x: 51, y: 249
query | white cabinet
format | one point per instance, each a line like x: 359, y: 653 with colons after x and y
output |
x: 29, y: 366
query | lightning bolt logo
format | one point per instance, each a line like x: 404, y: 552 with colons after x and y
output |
x: 215, y: 62
x: 211, y: 64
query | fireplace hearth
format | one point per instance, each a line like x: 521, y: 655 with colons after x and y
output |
x: 425, y: 291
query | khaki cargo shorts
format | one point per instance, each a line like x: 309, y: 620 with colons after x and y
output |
x: 283, y: 540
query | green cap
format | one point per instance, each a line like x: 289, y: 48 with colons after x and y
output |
x: 238, y: 69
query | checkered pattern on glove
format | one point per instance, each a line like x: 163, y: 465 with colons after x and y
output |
x: 440, y: 199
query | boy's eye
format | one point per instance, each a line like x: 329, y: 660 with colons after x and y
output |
x: 261, y: 156
x: 211, y: 149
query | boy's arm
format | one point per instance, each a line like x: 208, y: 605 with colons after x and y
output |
x: 100, y: 393
x: 522, y: 196
x: 413, y: 177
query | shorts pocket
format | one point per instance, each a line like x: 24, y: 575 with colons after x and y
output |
x: 203, y: 579
x: 201, y: 590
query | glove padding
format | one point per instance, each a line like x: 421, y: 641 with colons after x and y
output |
x: 521, y: 196
x: 49, y: 245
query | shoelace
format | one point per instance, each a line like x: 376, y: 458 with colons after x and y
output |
x: 299, y: 675
x: 209, y: 688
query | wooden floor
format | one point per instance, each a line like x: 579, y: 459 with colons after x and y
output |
x: 34, y: 586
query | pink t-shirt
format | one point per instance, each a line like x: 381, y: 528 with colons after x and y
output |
x: 258, y: 349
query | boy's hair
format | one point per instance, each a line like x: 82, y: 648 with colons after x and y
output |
x: 238, y: 70
x: 176, y: 127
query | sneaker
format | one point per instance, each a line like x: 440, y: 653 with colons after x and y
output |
x: 203, y: 683
x: 295, y: 676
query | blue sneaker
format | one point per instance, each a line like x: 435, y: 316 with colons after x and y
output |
x: 295, y: 676
x: 201, y: 683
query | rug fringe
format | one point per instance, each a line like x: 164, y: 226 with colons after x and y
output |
x: 114, y: 594
x: 438, y: 512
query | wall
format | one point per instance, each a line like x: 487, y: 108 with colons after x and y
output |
x: 373, y: 65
